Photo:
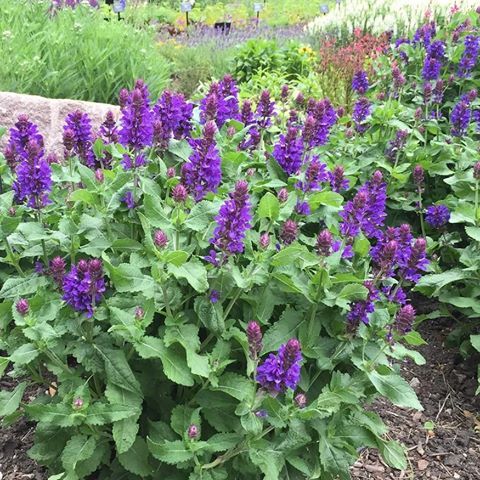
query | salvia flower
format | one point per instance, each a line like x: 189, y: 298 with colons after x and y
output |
x: 427, y: 92
x: 265, y: 110
x: 460, y: 117
x: 361, y: 111
x: 398, y: 78
x: 396, y: 145
x: 437, y: 216
x: 57, y: 270
x: 136, y: 121
x: 418, y: 175
x: 246, y: 115
x: 264, y: 240
x: 289, y: 232
x: 160, y: 238
x: 476, y: 171
x: 233, y: 220
x: 415, y: 263
x: 324, y: 117
x: 337, y: 179
x: 282, y: 370
x: 212, y: 107
x: 129, y: 200
x: 302, y: 208
x: 431, y: 68
x: 361, y: 310
x: 324, y: 243
x: 202, y: 173
x: 469, y: 56
x: 315, y: 175
x: 22, y: 306
x: 404, y: 319
x: 214, y: 296
x: 80, y: 125
x: 132, y: 162
x: 360, y: 82
x: 254, y: 336
x: 20, y: 134
x: 179, y: 193
x: 229, y: 92
x: 282, y: 195
x: 288, y: 151
x: 84, y: 285
x: 33, y: 180
x: 438, y: 92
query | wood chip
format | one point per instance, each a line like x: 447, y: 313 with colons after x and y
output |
x: 374, y: 468
x: 422, y: 465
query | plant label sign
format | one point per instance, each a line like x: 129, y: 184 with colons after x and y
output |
x: 119, y: 6
x: 324, y: 9
x: 257, y: 7
x: 185, y: 7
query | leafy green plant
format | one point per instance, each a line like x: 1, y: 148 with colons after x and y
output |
x: 75, y: 54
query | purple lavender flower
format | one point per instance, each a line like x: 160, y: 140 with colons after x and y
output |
x: 137, y: 120
x: 288, y: 151
x: 396, y: 145
x: 213, y: 107
x: 229, y: 92
x: 281, y: 371
x: 131, y: 164
x: 23, y: 131
x: 360, y: 82
x: 469, y: 56
x: 315, y: 175
x: 108, y: 129
x: 80, y: 124
x: 416, y: 262
x: 129, y: 200
x: 436, y: 50
x: 437, y: 216
x: 289, y: 232
x: 302, y: 208
x: 425, y: 33
x: 84, y: 285
x: 202, y: 173
x: 254, y: 336
x: 324, y: 243
x: 265, y: 110
x: 438, y: 92
x: 233, y: 221
x: 57, y: 270
x: 33, y: 177
x: 337, y: 179
x: 404, y: 319
x: 431, y: 68
x: 361, y: 110
x: 361, y: 309
x: 251, y: 140
x: 324, y: 116
x: 172, y: 117
x: 246, y: 115
x: 460, y: 117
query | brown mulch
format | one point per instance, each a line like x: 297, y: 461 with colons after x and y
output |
x: 445, y: 386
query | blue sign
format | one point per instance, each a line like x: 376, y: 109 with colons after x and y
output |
x: 185, y: 7
x: 324, y: 9
x: 119, y: 6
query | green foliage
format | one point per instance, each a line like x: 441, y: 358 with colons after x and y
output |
x: 74, y: 54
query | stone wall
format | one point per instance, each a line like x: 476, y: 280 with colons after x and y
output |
x: 48, y: 114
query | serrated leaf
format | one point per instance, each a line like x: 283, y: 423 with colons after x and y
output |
x: 194, y: 272
x: 10, y: 400
x: 270, y: 462
x: 4, y: 361
x: 24, y: 354
x: 223, y: 441
x: 169, y: 452
x: 129, y: 278
x: 235, y: 385
x: 282, y: 330
x: 124, y: 433
x: 414, y: 338
x: 78, y: 448
x: 15, y: 287
x: 135, y: 460
x: 118, y: 371
x: 396, y: 389
x: 210, y: 314
x: 201, y: 215
x: 54, y: 414
x: 101, y: 413
x: 269, y: 207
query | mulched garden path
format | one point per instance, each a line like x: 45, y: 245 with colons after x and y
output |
x: 445, y: 387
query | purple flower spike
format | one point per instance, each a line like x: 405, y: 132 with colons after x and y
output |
x: 337, y: 179
x: 84, y: 285
x: 281, y: 371
x: 79, y: 124
x: 202, y: 173
x: 288, y: 151
x: 22, y: 307
x: 289, y: 232
x: 233, y: 221
x: 360, y: 82
x: 33, y: 177
x: 254, y: 336
x: 460, y: 117
x: 437, y: 216
x: 404, y: 319
x: 361, y: 111
x: 265, y: 110
x: 469, y: 56
x: 324, y: 243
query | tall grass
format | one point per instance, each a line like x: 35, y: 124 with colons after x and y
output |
x: 75, y: 54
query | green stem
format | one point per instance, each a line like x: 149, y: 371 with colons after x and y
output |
x: 476, y: 201
x: 420, y: 212
x: 166, y: 301
x: 232, y: 303
x: 13, y: 258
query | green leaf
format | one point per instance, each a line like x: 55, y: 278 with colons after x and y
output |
x: 101, y: 413
x: 288, y: 255
x: 396, y: 389
x: 78, y: 448
x: 201, y: 215
x: 335, y: 458
x: 10, y: 400
x: 414, y: 338
x: 135, y: 460
x: 210, y: 314
x: 177, y: 258
x: 129, y: 278
x: 432, y: 284
x: 223, y: 441
x: 330, y: 199
x: 393, y: 454
x: 475, y: 341
x: 124, y: 433
x: 270, y: 462
x: 24, y: 354
x: 4, y: 361
x: 353, y: 291
x: 169, y: 452
x: 194, y: 272
x: 57, y: 414
x: 155, y: 213
x: 269, y: 207
x: 118, y: 371
x: 473, y: 232
x: 15, y: 287
x: 235, y: 385
x: 282, y: 330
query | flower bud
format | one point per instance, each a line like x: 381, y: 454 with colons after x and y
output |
x: 476, y: 171
x: 12, y: 211
x: 250, y: 172
x: 230, y: 132
x: 254, y: 335
x: 139, y: 313
x: 192, y: 432
x: 264, y: 240
x: 22, y: 306
x: 289, y: 232
x: 99, y: 177
x: 324, y: 243
x: 418, y: 175
x: 160, y: 238
x: 179, y: 193
x: 283, y: 195
x: 171, y: 172
x: 77, y: 403
x: 301, y: 400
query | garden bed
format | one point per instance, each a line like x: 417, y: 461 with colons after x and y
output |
x: 445, y: 388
